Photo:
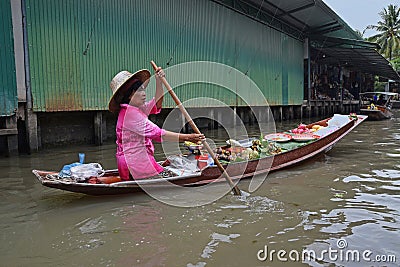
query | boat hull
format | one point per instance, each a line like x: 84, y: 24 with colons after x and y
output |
x: 377, y: 115
x: 236, y: 171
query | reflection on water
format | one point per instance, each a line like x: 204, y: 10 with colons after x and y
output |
x: 348, y: 196
x: 366, y: 218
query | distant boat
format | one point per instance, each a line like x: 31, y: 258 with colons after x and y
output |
x: 379, y: 109
x: 296, y: 150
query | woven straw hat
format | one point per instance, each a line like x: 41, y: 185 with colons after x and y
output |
x: 121, y: 83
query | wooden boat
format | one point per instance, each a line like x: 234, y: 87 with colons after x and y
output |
x: 377, y: 109
x: 236, y: 170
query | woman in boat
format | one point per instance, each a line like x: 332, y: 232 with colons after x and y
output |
x: 135, y: 132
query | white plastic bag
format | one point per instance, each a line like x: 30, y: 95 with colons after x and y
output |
x: 85, y: 171
x: 182, y: 166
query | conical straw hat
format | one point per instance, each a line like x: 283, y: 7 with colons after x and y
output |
x: 121, y: 83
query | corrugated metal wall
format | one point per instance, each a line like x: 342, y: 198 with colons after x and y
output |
x: 76, y: 47
x: 8, y: 84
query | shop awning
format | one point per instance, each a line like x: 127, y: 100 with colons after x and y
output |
x: 353, y: 54
x: 315, y: 20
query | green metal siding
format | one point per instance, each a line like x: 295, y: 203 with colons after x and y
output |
x: 8, y: 83
x: 76, y: 47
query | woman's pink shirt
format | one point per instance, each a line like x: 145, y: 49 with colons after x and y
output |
x: 135, y: 132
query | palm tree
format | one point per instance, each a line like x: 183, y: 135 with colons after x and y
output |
x: 389, y: 31
x: 396, y: 64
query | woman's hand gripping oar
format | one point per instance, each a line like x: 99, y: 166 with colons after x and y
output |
x: 234, y: 188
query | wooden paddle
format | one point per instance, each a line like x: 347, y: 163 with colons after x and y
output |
x: 234, y: 188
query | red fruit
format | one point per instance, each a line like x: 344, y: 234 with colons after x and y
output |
x: 302, y: 126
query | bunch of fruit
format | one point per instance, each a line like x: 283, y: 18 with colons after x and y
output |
x: 353, y: 116
x: 271, y: 149
x: 188, y: 143
x: 301, y: 129
x: 316, y: 128
x: 259, y: 148
x: 265, y: 148
x: 224, y: 154
x: 257, y: 144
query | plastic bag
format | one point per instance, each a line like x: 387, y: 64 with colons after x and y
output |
x: 85, y: 171
x: 338, y: 120
x: 66, y: 170
x: 182, y: 166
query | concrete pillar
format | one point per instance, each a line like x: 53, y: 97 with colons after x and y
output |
x: 299, y: 113
x: 219, y: 117
x: 32, y: 130
x: 251, y: 117
x: 242, y: 115
x: 12, y: 137
x: 291, y: 113
x: 235, y: 117
x: 213, y: 124
x: 260, y: 116
x: 274, y: 113
x: 99, y: 128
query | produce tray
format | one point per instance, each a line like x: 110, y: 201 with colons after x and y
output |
x: 278, y: 137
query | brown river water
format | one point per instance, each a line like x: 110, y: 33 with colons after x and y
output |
x: 341, y: 208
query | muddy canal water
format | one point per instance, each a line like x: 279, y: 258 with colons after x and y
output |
x: 341, y: 208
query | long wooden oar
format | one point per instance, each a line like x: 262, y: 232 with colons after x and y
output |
x: 234, y: 188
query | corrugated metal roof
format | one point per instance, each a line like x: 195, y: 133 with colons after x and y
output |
x: 8, y: 84
x: 298, y: 18
x: 313, y: 19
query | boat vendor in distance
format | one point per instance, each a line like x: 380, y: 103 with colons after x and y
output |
x: 135, y: 132
x: 380, y: 100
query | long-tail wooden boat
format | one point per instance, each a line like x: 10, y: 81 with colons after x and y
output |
x: 236, y: 170
x: 377, y: 109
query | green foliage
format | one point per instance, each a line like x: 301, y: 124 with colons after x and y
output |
x: 379, y: 86
x: 388, y: 29
x: 396, y: 63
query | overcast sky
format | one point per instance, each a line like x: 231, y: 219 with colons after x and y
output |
x: 360, y: 13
